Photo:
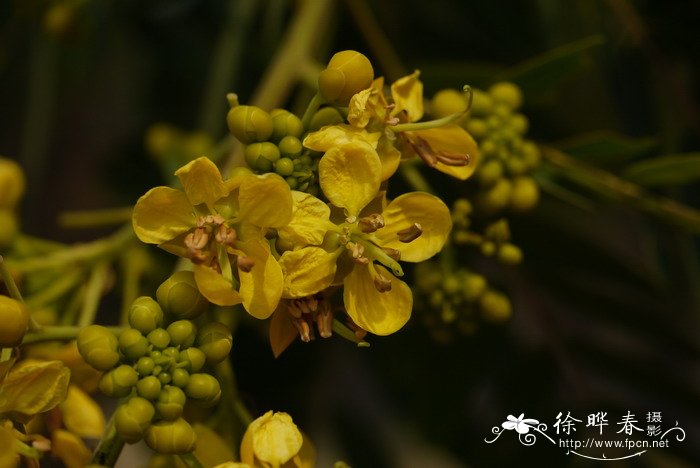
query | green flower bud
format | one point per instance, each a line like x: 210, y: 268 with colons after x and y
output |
x: 450, y: 284
x: 249, y: 124
x: 284, y: 123
x: 447, y: 102
x: 489, y: 172
x: 204, y: 389
x: 516, y: 166
x: 182, y: 333
x: 165, y: 377
x: 290, y: 146
x: 145, y: 365
x: 510, y: 254
x: 171, y: 351
x: 284, y: 167
x: 98, y: 346
x: 496, y: 198
x: 159, y: 338
x: 12, y: 183
x: 132, y: 418
x: 495, y: 307
x: 530, y: 153
x: 525, y: 194
x: 331, y: 241
x: 325, y: 116
x: 487, y: 248
x: 194, y: 357
x: 476, y: 127
x: 14, y: 317
x: 482, y: 103
x: 473, y: 287
x: 171, y: 437
x: 8, y: 227
x: 488, y: 147
x: 180, y: 377
x: 519, y: 124
x: 149, y: 387
x: 239, y: 171
x: 132, y: 344
x: 171, y: 402
x: 117, y: 383
x: 215, y: 340
x: 261, y: 156
x: 292, y: 182
x: 145, y: 314
x: 179, y: 296
x: 507, y: 93
x: 347, y: 73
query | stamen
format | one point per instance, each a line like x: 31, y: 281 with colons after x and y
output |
x: 245, y: 263
x: 293, y: 309
x: 195, y: 242
x: 381, y: 283
x: 225, y: 235
x: 431, y: 157
x: 393, y: 253
x: 305, y: 331
x: 324, y: 321
x: 371, y: 223
x: 410, y: 233
x: 453, y: 159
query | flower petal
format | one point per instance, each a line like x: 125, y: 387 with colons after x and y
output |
x: 332, y: 136
x: 307, y: 271
x: 282, y: 330
x: 389, y: 156
x: 261, y: 287
x: 452, y: 139
x: 309, y: 223
x: 361, y: 106
x: 350, y: 175
x: 378, y: 313
x: 81, y: 415
x: 161, y: 215
x: 416, y: 207
x: 408, y: 96
x: 265, y: 200
x: 202, y: 182
x: 215, y: 287
x: 509, y: 425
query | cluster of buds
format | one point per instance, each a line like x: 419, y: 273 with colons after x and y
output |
x: 158, y: 364
x: 12, y: 186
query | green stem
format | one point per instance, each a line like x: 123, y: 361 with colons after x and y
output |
x: 313, y: 106
x: 413, y: 176
x: 132, y: 269
x: 95, y: 218
x: 348, y: 334
x: 226, y: 63
x: 227, y: 377
x: 95, y: 286
x: 14, y: 291
x: 56, y: 289
x: 190, y: 460
x: 109, y: 448
x: 428, y: 124
x: 90, y: 251
x: 59, y: 333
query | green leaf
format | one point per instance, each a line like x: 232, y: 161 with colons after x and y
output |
x: 545, y: 71
x: 665, y: 171
x: 606, y: 148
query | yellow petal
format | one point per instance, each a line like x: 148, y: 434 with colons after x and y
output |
x: 350, y: 175
x: 161, y: 215
x: 70, y: 449
x: 408, y: 96
x: 202, y: 182
x: 416, y: 207
x: 378, y: 313
x: 452, y: 139
x: 275, y: 438
x: 211, y: 448
x: 307, y: 271
x: 8, y: 457
x: 306, y: 458
x: 389, y: 156
x: 361, y: 106
x: 233, y: 465
x: 32, y: 387
x: 282, y: 330
x: 261, y: 287
x: 265, y: 200
x: 332, y: 136
x: 309, y: 223
x: 81, y: 415
x: 215, y: 287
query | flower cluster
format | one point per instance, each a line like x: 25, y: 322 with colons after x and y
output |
x: 255, y: 241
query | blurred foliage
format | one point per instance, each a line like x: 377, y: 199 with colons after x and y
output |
x: 607, y: 301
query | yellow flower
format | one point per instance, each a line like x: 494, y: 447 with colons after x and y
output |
x: 220, y: 225
x: 413, y: 227
x: 273, y: 440
x: 32, y: 387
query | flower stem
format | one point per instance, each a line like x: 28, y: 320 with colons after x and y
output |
x: 413, y: 176
x: 95, y: 218
x: 95, y: 286
x: 14, y: 291
x: 190, y: 460
x: 59, y: 333
x: 315, y: 103
x: 109, y: 448
x: 428, y: 124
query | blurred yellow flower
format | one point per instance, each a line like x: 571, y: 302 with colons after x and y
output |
x: 273, y: 440
x: 220, y: 225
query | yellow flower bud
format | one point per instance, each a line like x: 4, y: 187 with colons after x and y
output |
x: 12, y: 183
x: 171, y: 402
x: 215, y: 340
x: 495, y: 307
x: 507, y: 93
x: 81, y: 415
x: 145, y: 315
x: 525, y: 194
x: 133, y: 344
x: 447, y: 102
x: 261, y: 156
x: 284, y: 123
x: 133, y: 418
x: 510, y: 254
x: 271, y: 440
x: 204, y: 389
x: 98, y: 346
x: 176, y: 437
x: 118, y: 382
x: 496, y: 198
x: 179, y: 296
x: 194, y: 357
x: 249, y: 124
x: 482, y: 103
x: 348, y: 72
x: 69, y: 448
x: 8, y: 227
x: 323, y: 117
x: 149, y: 387
x: 182, y: 333
x: 15, y: 319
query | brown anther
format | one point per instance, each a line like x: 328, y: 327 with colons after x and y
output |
x: 357, y: 250
x: 381, y: 283
x: 360, y: 333
x: 410, y: 234
x: 324, y: 322
x: 361, y: 260
x: 225, y: 235
x: 305, y: 331
x: 245, y: 263
x: 392, y: 121
x: 350, y: 220
x: 293, y: 309
x: 371, y: 223
x: 453, y: 159
x: 392, y: 253
x: 197, y: 239
x: 302, y: 306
